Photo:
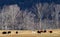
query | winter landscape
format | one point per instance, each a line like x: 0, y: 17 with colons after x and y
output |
x: 23, y: 18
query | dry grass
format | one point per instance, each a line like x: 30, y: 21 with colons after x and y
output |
x: 29, y: 33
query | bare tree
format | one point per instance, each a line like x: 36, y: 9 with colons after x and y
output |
x: 29, y: 20
x: 46, y: 14
x: 8, y: 15
x: 25, y: 20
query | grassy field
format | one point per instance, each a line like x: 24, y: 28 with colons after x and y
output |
x: 29, y: 33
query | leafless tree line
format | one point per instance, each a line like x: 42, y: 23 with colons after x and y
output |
x: 12, y: 18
